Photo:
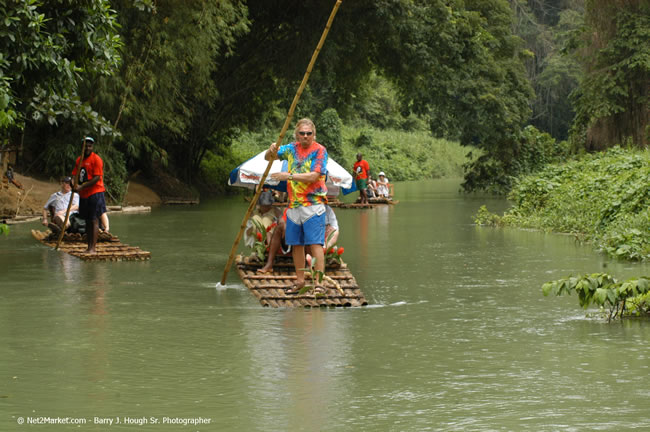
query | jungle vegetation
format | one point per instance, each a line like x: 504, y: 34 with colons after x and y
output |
x: 175, y: 90
x: 602, y: 198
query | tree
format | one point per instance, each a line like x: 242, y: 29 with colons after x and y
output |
x: 47, y: 50
x: 166, y: 96
x: 612, y: 101
x: 329, y: 133
x: 455, y: 62
x: 545, y: 26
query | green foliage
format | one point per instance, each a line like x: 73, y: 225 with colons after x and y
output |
x: 317, y: 277
x: 403, y: 155
x: 546, y: 28
x: 329, y: 133
x: 48, y: 49
x: 215, y: 168
x: 170, y: 99
x: 484, y: 217
x: 626, y: 237
x: 364, y: 139
x: 530, y: 151
x: 602, y: 197
x: 603, y: 290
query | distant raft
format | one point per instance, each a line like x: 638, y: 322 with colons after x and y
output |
x: 341, y: 288
x: 109, y: 247
x: 372, y: 203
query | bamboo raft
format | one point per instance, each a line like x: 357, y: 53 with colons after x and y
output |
x: 109, y: 247
x: 372, y: 203
x: 269, y: 288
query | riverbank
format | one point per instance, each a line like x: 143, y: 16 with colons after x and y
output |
x: 601, y: 198
x: 30, y: 200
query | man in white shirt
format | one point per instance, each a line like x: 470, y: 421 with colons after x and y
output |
x: 57, y: 205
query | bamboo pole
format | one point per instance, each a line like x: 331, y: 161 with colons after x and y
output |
x: 287, y: 121
x: 67, y: 212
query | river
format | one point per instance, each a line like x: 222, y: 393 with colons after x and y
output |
x: 457, y: 335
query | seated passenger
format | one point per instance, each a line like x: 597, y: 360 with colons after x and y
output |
x: 384, y: 188
x: 372, y: 187
x: 265, y: 215
x: 331, y: 228
x: 57, y: 206
x: 276, y: 244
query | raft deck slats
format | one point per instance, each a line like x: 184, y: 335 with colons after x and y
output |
x: 109, y: 248
x: 269, y: 288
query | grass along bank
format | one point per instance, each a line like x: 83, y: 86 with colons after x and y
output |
x: 602, y: 198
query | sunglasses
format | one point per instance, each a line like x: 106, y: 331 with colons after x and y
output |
x: 305, y: 133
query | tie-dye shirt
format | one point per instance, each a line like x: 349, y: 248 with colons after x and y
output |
x: 300, y: 160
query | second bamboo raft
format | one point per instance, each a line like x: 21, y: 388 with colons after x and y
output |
x: 109, y: 247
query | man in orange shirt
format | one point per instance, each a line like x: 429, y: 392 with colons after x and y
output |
x: 361, y: 170
x: 92, y: 203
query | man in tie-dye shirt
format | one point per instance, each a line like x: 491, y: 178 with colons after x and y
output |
x: 305, y: 226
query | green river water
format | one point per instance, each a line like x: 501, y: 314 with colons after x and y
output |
x: 457, y: 335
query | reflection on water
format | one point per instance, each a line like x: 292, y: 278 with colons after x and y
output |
x: 457, y: 336
x: 296, y: 362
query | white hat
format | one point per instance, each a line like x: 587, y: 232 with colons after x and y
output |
x: 381, y: 173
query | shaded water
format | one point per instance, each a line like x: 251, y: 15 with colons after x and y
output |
x: 457, y: 335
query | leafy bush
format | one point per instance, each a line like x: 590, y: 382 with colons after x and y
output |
x: 215, y: 170
x: 329, y: 133
x: 627, y: 237
x: 603, y: 197
x: 484, y: 217
x: 528, y: 152
x: 603, y: 290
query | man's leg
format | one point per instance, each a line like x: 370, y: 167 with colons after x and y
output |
x: 317, y: 252
x: 315, y: 238
x: 59, y: 218
x: 298, y: 253
x: 105, y: 225
x: 92, y: 233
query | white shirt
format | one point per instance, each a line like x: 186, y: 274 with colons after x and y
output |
x: 60, y: 201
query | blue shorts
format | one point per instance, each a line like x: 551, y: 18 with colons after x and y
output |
x: 92, y: 207
x: 311, y: 232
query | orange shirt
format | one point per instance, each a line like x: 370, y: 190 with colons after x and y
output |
x: 92, y: 166
x: 361, y: 169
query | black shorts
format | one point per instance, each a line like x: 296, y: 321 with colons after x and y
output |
x: 92, y: 207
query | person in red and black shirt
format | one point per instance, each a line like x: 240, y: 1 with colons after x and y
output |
x: 361, y: 170
x: 92, y: 203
